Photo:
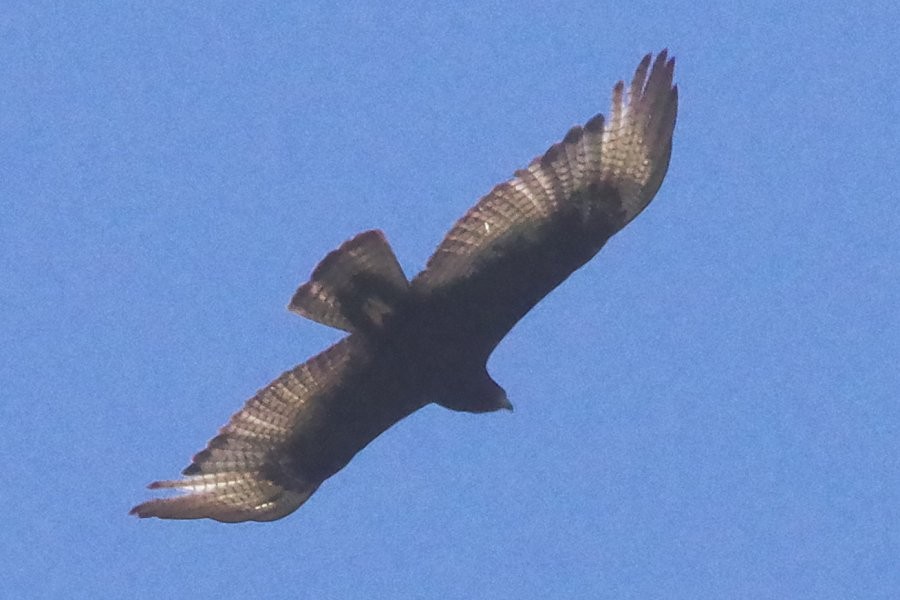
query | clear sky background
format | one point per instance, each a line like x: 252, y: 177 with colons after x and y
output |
x: 709, y: 409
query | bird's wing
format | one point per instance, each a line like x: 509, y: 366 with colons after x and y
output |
x: 529, y: 233
x: 292, y: 435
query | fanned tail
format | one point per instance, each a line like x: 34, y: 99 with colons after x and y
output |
x: 354, y: 288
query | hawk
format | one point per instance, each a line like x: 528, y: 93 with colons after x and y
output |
x: 411, y: 343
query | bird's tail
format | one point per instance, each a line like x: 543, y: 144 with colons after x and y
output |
x: 354, y: 288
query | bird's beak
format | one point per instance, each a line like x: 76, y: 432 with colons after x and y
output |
x: 507, y: 404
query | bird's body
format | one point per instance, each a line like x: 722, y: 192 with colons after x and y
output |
x: 413, y: 343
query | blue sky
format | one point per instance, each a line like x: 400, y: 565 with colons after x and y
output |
x: 709, y: 409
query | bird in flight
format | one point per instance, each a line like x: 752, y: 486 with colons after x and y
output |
x: 411, y: 343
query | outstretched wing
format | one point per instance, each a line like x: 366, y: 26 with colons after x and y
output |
x: 295, y: 433
x: 530, y: 233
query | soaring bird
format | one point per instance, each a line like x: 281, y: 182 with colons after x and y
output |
x: 411, y: 343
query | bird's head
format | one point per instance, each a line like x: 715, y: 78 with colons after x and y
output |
x: 479, y: 394
x: 488, y: 396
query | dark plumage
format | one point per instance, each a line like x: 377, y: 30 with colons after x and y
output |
x: 428, y: 340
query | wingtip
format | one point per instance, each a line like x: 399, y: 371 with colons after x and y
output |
x: 573, y: 135
x: 645, y: 61
x: 618, y: 90
x: 663, y: 60
x: 141, y: 511
x: 596, y: 123
x: 668, y: 62
x: 165, y: 484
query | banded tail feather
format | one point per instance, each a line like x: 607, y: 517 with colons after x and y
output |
x: 355, y: 287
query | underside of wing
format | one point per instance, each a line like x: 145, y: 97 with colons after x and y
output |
x: 590, y: 185
x: 249, y: 470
